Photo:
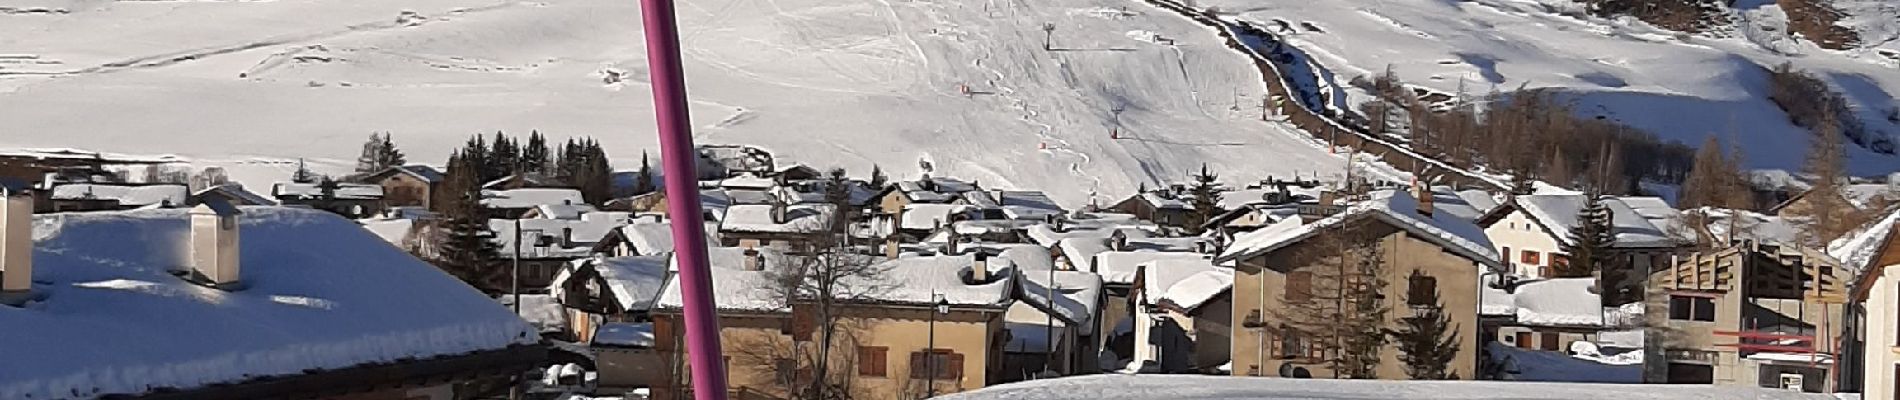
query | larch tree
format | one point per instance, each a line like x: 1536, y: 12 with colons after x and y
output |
x: 1427, y: 341
x: 1827, y: 215
x: 1333, y: 302
x: 1709, y: 178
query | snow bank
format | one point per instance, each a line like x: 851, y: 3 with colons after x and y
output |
x: 624, y: 334
x: 1188, y: 387
x: 1550, y: 366
x: 114, y: 320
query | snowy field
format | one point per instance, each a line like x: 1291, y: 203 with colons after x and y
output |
x: 1186, y: 387
x: 1679, y: 87
x: 254, y: 85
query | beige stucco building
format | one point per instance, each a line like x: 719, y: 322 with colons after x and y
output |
x: 1751, y: 314
x: 1275, y: 264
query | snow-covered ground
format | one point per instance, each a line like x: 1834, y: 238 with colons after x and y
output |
x: 255, y: 85
x: 1186, y: 387
x: 1679, y: 87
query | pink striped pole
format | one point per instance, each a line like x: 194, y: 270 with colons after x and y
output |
x: 677, y: 161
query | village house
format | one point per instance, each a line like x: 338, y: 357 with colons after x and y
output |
x: 1160, y: 207
x: 79, y: 196
x: 407, y: 186
x: 231, y: 193
x: 786, y: 227
x: 513, y: 203
x: 1182, y: 317
x: 601, y: 290
x: 1053, y: 325
x: 1750, y: 314
x: 1549, y: 314
x: 926, y: 190
x: 545, y: 247
x: 312, y: 317
x: 1531, y: 231
x: 645, y: 238
x: 351, y: 200
x: 1419, y: 251
x: 1872, y: 366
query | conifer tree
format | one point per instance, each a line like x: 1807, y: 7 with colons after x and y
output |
x: 467, y: 247
x: 878, y: 179
x: 370, y: 161
x: 1426, y: 340
x: 591, y: 173
x: 476, y: 153
x: 1589, y: 241
x: 534, y: 154
x: 504, y: 157
x: 643, y: 181
x: 1206, y: 200
x: 390, y: 156
x: 302, y: 174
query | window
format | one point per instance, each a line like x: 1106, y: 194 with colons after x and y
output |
x: 871, y: 360
x: 1691, y: 308
x: 1299, y: 285
x: 1422, y: 291
x: 947, y: 364
x: 1531, y: 257
x: 1291, y: 346
x: 1523, y: 340
x: 1549, y: 342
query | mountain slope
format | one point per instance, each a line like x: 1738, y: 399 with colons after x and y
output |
x: 1677, y: 86
x: 818, y: 81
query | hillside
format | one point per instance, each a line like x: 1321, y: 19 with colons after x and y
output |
x: 1676, y: 85
x: 256, y: 85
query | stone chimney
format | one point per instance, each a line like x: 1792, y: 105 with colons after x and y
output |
x: 214, y: 243
x: 567, y: 237
x: 16, y: 242
x: 753, y: 260
x: 1327, y: 197
x: 980, y: 269
x: 1423, y: 193
x: 1118, y: 241
x: 778, y: 210
x: 950, y: 248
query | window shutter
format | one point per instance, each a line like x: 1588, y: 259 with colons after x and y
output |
x: 1299, y: 285
x: 871, y: 360
x: 956, y: 367
x: 917, y: 368
x: 1422, y: 289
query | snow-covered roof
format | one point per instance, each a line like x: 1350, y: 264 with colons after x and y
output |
x: 625, y: 334
x: 1757, y: 226
x: 583, y: 235
x: 113, y: 319
x: 657, y: 237
x: 423, y: 172
x: 1653, y: 209
x: 747, y: 181
x: 918, y: 216
x: 736, y: 197
x: 1191, y: 292
x: 636, y: 280
x: 992, y: 226
x: 1047, y: 236
x: 1559, y: 213
x: 126, y: 195
x: 563, y: 211
x: 1160, y: 202
x: 530, y: 197
x: 237, y: 193
x: 1170, y: 244
x: 1078, y: 295
x: 1444, y: 200
x: 1857, y: 250
x: 1026, y: 257
x: 1159, y: 278
x: 1478, y: 199
x: 344, y: 191
x: 1395, y: 207
x: 1019, y: 204
x: 1866, y: 195
x: 1081, y: 250
x: 913, y: 280
x: 544, y: 311
x: 393, y: 231
x: 1558, y: 302
x: 734, y: 288
x: 1120, y: 267
x: 757, y: 218
x: 980, y: 199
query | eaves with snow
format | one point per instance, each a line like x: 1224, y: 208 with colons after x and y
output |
x: 318, y: 294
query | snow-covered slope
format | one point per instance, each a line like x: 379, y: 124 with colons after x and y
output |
x: 1185, y: 387
x: 256, y: 84
x: 1679, y: 87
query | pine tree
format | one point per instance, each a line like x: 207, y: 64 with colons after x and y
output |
x: 476, y: 153
x: 643, y: 180
x: 1426, y: 340
x: 592, y: 174
x: 370, y: 161
x: 1206, y: 200
x: 504, y: 157
x: 1589, y: 241
x: 534, y: 154
x: 878, y: 179
x: 467, y: 247
x: 302, y: 174
x: 390, y: 156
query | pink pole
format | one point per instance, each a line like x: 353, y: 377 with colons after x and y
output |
x: 677, y: 161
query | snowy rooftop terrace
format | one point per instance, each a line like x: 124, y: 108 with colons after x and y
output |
x: 114, y: 320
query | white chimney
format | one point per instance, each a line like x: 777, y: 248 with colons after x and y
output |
x: 16, y: 243
x: 778, y: 210
x: 980, y: 270
x: 753, y: 260
x: 214, y: 243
